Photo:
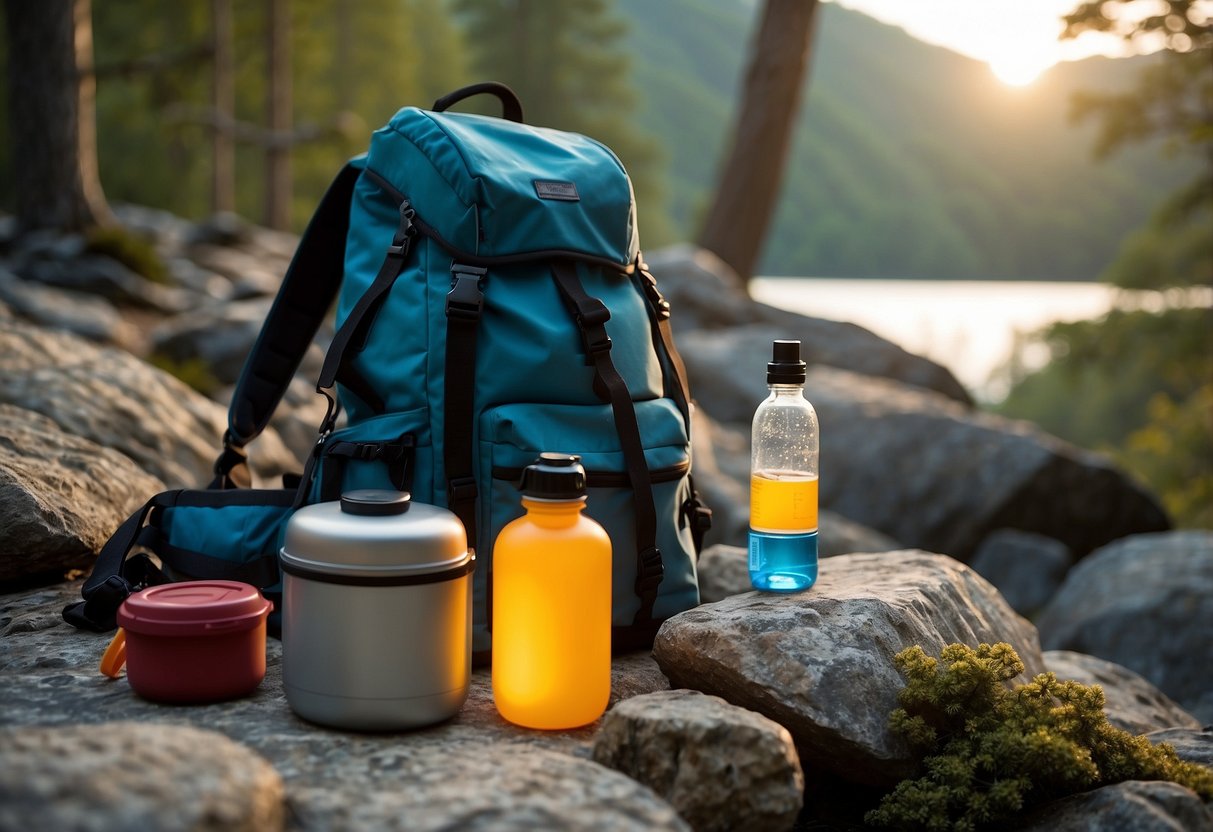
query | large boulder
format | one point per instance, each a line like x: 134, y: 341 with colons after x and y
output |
x: 1027, y: 568
x: 1145, y: 602
x: 923, y: 468
x: 1131, y: 703
x: 820, y: 662
x: 706, y: 294
x: 118, y: 401
x: 722, y: 767
x: 134, y: 775
x: 61, y: 496
x: 473, y: 771
x: 1137, y: 805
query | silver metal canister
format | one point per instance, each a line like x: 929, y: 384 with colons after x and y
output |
x: 377, y: 612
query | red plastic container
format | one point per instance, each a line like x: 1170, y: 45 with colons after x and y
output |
x: 195, y: 641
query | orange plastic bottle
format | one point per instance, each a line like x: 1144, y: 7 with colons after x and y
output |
x: 552, y: 604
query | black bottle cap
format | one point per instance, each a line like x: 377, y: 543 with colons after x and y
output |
x: 553, y: 477
x: 375, y: 502
x: 785, y: 366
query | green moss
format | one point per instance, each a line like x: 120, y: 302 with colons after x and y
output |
x: 193, y: 371
x: 987, y: 752
x: 130, y: 250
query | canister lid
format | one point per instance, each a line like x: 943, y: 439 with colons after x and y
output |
x: 194, y: 608
x: 329, y: 538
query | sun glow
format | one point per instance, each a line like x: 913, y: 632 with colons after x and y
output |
x: 1018, y: 70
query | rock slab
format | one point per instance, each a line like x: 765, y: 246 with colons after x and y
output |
x: 820, y: 662
x: 1145, y: 602
x: 1133, y: 805
x: 1027, y: 568
x: 722, y: 767
x: 61, y: 496
x: 133, y: 775
x: 1132, y: 703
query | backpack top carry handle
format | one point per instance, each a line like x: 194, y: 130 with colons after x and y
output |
x: 511, y: 107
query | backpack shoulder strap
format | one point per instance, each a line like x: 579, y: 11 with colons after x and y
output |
x: 307, y: 292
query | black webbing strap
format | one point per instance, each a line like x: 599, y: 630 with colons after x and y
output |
x: 591, y: 315
x: 663, y: 340
x: 108, y: 585
x: 351, y: 337
x: 308, y: 289
x: 694, y: 509
x: 115, y: 576
x: 464, y: 304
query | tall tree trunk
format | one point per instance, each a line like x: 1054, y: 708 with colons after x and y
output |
x: 278, y: 153
x: 748, y: 189
x: 52, y: 115
x: 223, y: 100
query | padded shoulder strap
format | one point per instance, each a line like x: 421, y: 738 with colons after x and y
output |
x: 308, y: 290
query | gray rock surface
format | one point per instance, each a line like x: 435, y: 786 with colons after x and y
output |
x: 1132, y: 703
x: 1027, y: 568
x: 722, y: 767
x: 1195, y: 746
x: 88, y: 316
x: 221, y: 335
x: 61, y: 496
x: 99, y: 275
x: 48, y: 676
x: 1133, y: 805
x: 131, y: 776
x: 820, y: 662
x: 499, y: 789
x: 1145, y: 602
x: 925, y: 469
x: 705, y: 294
x: 118, y: 401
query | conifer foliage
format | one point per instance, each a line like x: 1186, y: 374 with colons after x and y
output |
x: 987, y: 751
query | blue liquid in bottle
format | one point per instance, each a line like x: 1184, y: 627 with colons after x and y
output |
x: 783, y: 562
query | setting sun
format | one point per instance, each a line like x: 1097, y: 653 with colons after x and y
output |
x: 1018, y: 70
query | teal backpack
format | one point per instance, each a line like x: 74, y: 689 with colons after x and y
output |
x: 491, y: 304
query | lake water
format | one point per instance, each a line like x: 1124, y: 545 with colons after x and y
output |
x: 968, y: 326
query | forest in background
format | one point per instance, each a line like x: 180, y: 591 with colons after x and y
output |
x: 909, y: 160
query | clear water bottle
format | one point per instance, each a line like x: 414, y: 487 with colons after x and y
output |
x: 783, y: 479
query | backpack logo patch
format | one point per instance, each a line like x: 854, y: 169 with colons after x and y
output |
x: 563, y: 191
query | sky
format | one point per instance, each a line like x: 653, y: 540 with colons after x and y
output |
x: 1018, y: 38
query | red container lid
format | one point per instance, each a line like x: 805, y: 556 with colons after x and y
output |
x: 194, y: 608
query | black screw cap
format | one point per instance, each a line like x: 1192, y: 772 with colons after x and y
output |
x: 553, y: 477
x: 785, y: 366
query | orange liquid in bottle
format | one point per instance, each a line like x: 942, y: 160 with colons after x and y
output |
x: 783, y: 502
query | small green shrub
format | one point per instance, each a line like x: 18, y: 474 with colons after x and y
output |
x: 987, y: 752
x: 130, y: 250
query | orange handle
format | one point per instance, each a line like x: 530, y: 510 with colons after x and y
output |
x: 115, y: 655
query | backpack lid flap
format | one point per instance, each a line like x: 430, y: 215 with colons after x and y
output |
x: 533, y: 189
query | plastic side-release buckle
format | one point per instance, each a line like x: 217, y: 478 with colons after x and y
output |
x: 466, y: 298
x: 651, y: 571
x: 460, y: 490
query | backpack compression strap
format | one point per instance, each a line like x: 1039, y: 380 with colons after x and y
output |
x: 308, y: 290
x: 591, y: 315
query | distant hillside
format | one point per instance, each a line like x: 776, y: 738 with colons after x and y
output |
x: 910, y: 159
